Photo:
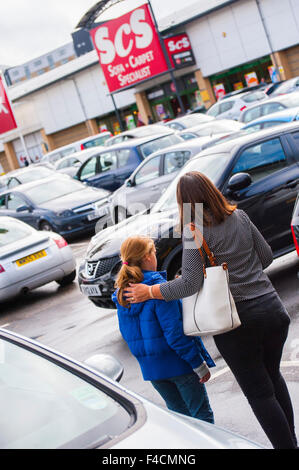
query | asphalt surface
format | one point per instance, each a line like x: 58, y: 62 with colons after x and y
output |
x: 65, y: 320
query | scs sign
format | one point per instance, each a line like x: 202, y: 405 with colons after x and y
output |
x: 129, y: 49
x: 179, y: 50
x: 7, y: 120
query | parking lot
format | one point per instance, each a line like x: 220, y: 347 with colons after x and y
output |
x: 67, y: 321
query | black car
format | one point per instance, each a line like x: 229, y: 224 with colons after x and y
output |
x: 259, y: 172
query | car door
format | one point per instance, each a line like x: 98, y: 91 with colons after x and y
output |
x: 19, y: 207
x: 269, y: 199
x: 226, y: 110
x: 145, y: 184
x: 106, y: 171
x: 127, y: 161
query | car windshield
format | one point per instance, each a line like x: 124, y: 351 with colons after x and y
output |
x: 212, y: 166
x: 158, y: 144
x: 12, y: 231
x: 55, y: 189
x: 45, y: 406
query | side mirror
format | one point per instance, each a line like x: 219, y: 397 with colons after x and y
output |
x: 130, y: 183
x: 107, y: 365
x: 239, y: 181
x: 24, y: 209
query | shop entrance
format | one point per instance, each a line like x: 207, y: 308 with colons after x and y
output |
x: 242, y: 76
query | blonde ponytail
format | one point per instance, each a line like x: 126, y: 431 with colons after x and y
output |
x: 132, y: 252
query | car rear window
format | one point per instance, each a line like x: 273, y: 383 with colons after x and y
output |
x: 254, y: 96
x: 159, y: 144
x: 12, y: 232
x: 95, y: 142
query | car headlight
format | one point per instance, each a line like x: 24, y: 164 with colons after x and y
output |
x: 65, y: 213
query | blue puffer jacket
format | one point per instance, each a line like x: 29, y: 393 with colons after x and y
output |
x: 153, y: 331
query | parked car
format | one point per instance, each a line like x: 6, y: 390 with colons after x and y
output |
x: 270, y: 88
x: 50, y: 401
x: 30, y: 259
x: 146, y: 184
x: 273, y: 119
x: 24, y: 175
x: 110, y: 168
x: 295, y: 225
x: 231, y: 108
x: 259, y: 172
x: 143, y: 131
x: 58, y: 203
x: 219, y: 126
x: 272, y: 105
x: 70, y: 165
x: 91, y: 141
x: 260, y: 87
x: 189, y: 120
x: 288, y: 86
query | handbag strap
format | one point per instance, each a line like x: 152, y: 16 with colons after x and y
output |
x: 204, y: 244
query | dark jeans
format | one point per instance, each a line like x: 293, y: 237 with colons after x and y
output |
x: 185, y: 394
x: 253, y: 353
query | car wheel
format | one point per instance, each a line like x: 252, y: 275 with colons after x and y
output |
x: 175, y: 268
x: 46, y: 226
x: 66, y: 280
x: 120, y: 214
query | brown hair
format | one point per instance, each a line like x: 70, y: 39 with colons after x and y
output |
x: 195, y: 188
x: 132, y: 252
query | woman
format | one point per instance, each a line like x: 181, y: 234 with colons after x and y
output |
x: 253, y: 351
x: 176, y: 365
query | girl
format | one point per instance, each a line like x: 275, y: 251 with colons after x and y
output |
x: 253, y: 351
x: 175, y: 364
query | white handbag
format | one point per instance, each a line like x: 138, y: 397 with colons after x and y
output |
x: 212, y: 310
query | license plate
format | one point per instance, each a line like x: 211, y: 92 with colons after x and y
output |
x: 98, y: 213
x: 91, y: 291
x: 30, y: 258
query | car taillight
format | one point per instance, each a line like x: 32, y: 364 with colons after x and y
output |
x: 295, y: 240
x: 60, y: 242
x: 2, y: 270
x: 82, y: 147
x: 243, y: 107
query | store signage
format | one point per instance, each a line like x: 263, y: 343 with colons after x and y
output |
x: 7, y: 120
x: 129, y: 49
x: 251, y: 79
x: 179, y: 50
x: 219, y: 90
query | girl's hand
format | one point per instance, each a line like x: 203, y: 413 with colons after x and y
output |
x: 205, y: 378
x: 137, y: 293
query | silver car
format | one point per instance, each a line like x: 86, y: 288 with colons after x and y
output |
x: 50, y: 401
x: 189, y: 120
x: 33, y: 172
x: 30, y: 259
x: 272, y: 105
x: 151, y: 178
x: 219, y: 127
x: 231, y: 108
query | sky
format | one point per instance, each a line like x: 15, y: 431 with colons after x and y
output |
x: 30, y: 28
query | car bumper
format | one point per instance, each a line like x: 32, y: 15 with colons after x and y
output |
x: 80, y: 224
x: 53, y: 274
x: 103, y: 284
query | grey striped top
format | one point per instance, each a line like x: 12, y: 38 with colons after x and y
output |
x: 237, y: 242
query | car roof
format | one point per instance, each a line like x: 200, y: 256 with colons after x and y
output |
x: 198, y: 127
x: 19, y: 171
x: 86, y: 139
x: 288, y: 112
x: 276, y: 98
x: 138, y: 130
x: 238, y: 96
x: 86, y: 153
x: 23, y: 187
x: 230, y: 145
x: 187, y: 145
x: 137, y: 141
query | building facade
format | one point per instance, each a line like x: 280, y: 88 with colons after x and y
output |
x: 234, y: 43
